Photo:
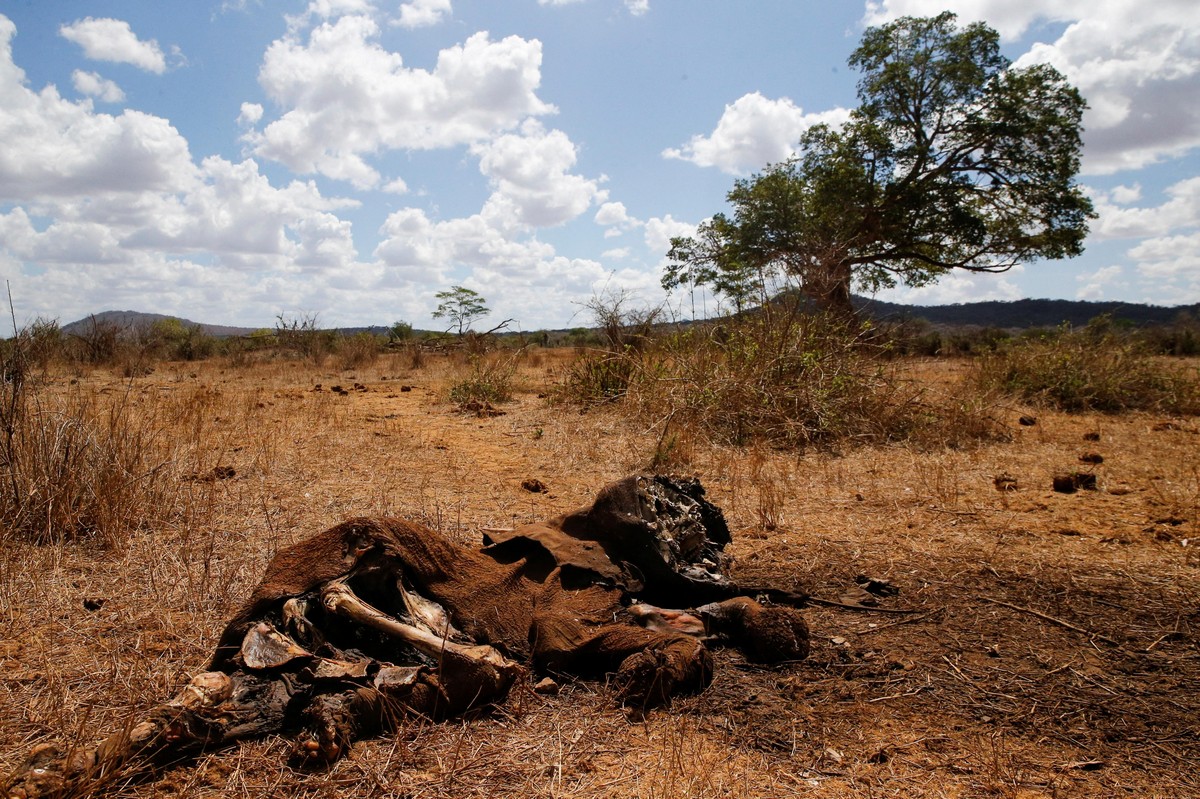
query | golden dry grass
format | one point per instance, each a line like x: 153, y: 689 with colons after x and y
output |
x: 973, y: 695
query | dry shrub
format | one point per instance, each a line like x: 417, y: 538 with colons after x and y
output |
x: 358, y: 351
x: 779, y: 376
x: 74, y: 467
x: 1096, y: 368
x: 488, y: 379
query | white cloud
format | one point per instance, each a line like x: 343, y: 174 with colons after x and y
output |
x: 423, y: 13
x: 524, y: 278
x: 528, y: 172
x: 1169, y: 267
x: 1180, y: 211
x: 1098, y: 284
x: 395, y: 186
x: 90, y: 193
x: 250, y: 114
x: 57, y: 148
x: 113, y: 40
x: 613, y: 214
x: 660, y: 231
x: 616, y: 254
x: 959, y: 287
x: 347, y: 98
x: 1136, y: 63
x: 752, y: 133
x: 93, y: 85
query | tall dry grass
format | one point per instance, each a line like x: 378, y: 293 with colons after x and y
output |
x: 780, y: 377
x: 1096, y: 368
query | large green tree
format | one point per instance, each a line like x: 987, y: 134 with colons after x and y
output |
x: 953, y: 160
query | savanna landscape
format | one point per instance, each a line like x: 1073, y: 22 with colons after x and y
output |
x: 975, y: 632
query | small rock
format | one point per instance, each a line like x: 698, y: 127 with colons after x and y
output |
x: 1091, y: 436
x: 547, y: 686
x: 534, y: 486
x: 1091, y: 457
x: 1064, y: 483
x: 1005, y: 483
x: 1027, y: 421
x: 93, y: 603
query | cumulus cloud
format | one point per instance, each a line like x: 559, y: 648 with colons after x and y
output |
x: 346, y: 98
x: 88, y: 189
x: 423, y: 13
x: 660, y: 230
x: 959, y: 287
x: 753, y: 131
x: 250, y: 114
x: 530, y: 178
x: 93, y: 85
x: 637, y: 7
x: 1169, y: 267
x: 1137, y: 64
x: 1117, y: 220
x: 109, y: 39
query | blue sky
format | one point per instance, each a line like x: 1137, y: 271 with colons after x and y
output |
x: 230, y: 161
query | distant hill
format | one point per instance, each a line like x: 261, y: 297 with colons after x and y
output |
x: 1025, y: 313
x: 1002, y: 314
x: 137, y: 319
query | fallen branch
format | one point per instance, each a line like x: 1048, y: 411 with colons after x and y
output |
x: 1052, y: 620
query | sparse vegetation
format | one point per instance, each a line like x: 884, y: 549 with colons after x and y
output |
x: 966, y: 694
x: 1096, y: 368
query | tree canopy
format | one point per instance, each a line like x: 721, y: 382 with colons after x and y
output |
x: 952, y: 160
x: 462, y: 306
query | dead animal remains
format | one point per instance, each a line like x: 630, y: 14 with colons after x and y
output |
x: 377, y: 620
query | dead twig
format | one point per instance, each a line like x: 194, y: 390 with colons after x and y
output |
x: 829, y: 603
x: 909, y: 620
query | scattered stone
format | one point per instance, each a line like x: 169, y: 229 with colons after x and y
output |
x: 317, y: 387
x: 339, y: 390
x: 1091, y: 457
x: 1120, y: 491
x: 534, y: 486
x: 1027, y: 421
x: 405, y: 389
x: 547, y: 687
x: 93, y: 603
x: 1091, y: 436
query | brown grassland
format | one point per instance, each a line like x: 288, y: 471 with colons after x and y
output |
x: 1052, y: 650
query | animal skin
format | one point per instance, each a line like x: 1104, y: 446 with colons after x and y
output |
x: 377, y: 620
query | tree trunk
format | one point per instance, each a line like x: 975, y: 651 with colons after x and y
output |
x: 828, y: 285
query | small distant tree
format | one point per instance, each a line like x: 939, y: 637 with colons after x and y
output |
x: 400, y: 331
x: 462, y: 307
